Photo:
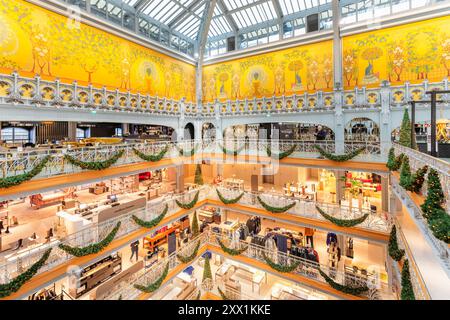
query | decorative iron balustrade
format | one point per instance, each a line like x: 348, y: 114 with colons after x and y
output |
x: 35, y: 91
x: 17, y: 162
x: 16, y: 89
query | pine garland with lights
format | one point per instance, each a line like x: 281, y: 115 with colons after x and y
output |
x: 280, y: 267
x: 342, y: 222
x: 188, y: 205
x: 15, y: 284
x: 198, y: 175
x: 234, y: 152
x: 94, y: 165
x: 151, y: 223
x: 231, y: 252
x: 18, y: 179
x: 187, y: 259
x: 356, y: 291
x: 281, y: 155
x: 394, y: 251
x: 275, y: 209
x: 341, y: 157
x: 417, y: 179
x: 405, y: 174
x: 155, y: 285
x: 194, y: 228
x: 229, y: 201
x: 92, y: 248
x: 151, y: 157
x: 407, y: 292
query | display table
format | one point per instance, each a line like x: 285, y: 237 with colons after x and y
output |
x: 73, y: 222
x: 234, y: 183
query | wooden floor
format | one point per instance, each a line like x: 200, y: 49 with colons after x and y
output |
x: 55, y: 182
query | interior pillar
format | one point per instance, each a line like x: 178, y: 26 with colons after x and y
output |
x: 125, y: 128
x: 72, y: 131
x: 180, y: 178
x: 340, y: 185
x: 385, y: 194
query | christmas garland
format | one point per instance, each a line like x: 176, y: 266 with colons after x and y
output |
x: 229, y: 201
x: 190, y: 257
x: 151, y: 157
x: 16, y: 180
x: 346, y: 289
x: 232, y: 152
x: 95, y: 165
x: 341, y: 157
x: 155, y: 285
x: 222, y: 294
x: 394, y: 252
x: 151, y: 223
x: 275, y: 209
x: 280, y: 267
x: 342, y: 222
x: 15, y: 284
x: 283, y: 154
x: 92, y: 248
x: 189, y: 153
x: 231, y: 252
x: 189, y: 205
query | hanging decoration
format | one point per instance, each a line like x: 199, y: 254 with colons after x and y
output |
x: 281, y: 155
x: 394, y: 251
x: 280, y: 267
x: 356, y: 291
x: 229, y: 201
x: 192, y: 256
x: 151, y: 157
x: 275, y: 209
x: 95, y: 165
x: 341, y: 157
x: 342, y: 222
x: 231, y: 252
x: 15, y: 284
x: 92, y: 248
x: 16, y: 180
x: 188, y: 205
x: 151, y: 223
x: 155, y: 285
x: 234, y: 152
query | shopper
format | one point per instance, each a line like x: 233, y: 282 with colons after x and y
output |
x: 321, y: 133
x: 134, y: 250
x: 309, y: 233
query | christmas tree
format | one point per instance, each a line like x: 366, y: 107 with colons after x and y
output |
x: 194, y: 228
x: 198, y: 175
x: 417, y: 179
x: 405, y: 130
x: 435, y: 195
x: 407, y: 289
x: 405, y: 174
x: 440, y: 225
x: 394, y: 251
x: 207, y: 283
x: 391, y: 163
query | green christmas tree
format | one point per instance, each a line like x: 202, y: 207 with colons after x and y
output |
x: 418, y: 178
x: 194, y: 228
x: 407, y: 289
x: 198, y: 175
x: 394, y: 251
x: 405, y: 174
x: 405, y: 130
x: 440, y: 225
x: 435, y: 195
x: 391, y: 163
x: 207, y: 275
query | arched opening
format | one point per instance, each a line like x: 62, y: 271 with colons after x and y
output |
x: 208, y: 131
x: 189, y: 131
x: 362, y: 129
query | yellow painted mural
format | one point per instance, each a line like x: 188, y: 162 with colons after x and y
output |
x: 412, y: 52
x: 36, y: 41
x: 295, y: 70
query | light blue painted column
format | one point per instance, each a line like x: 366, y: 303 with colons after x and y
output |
x: 339, y: 136
x: 385, y: 119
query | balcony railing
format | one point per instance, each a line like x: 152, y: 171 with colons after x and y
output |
x: 19, y: 90
x: 17, y: 162
x: 306, y: 267
x: 16, y: 263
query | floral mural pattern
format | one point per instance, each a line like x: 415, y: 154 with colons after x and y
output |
x: 36, y: 41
